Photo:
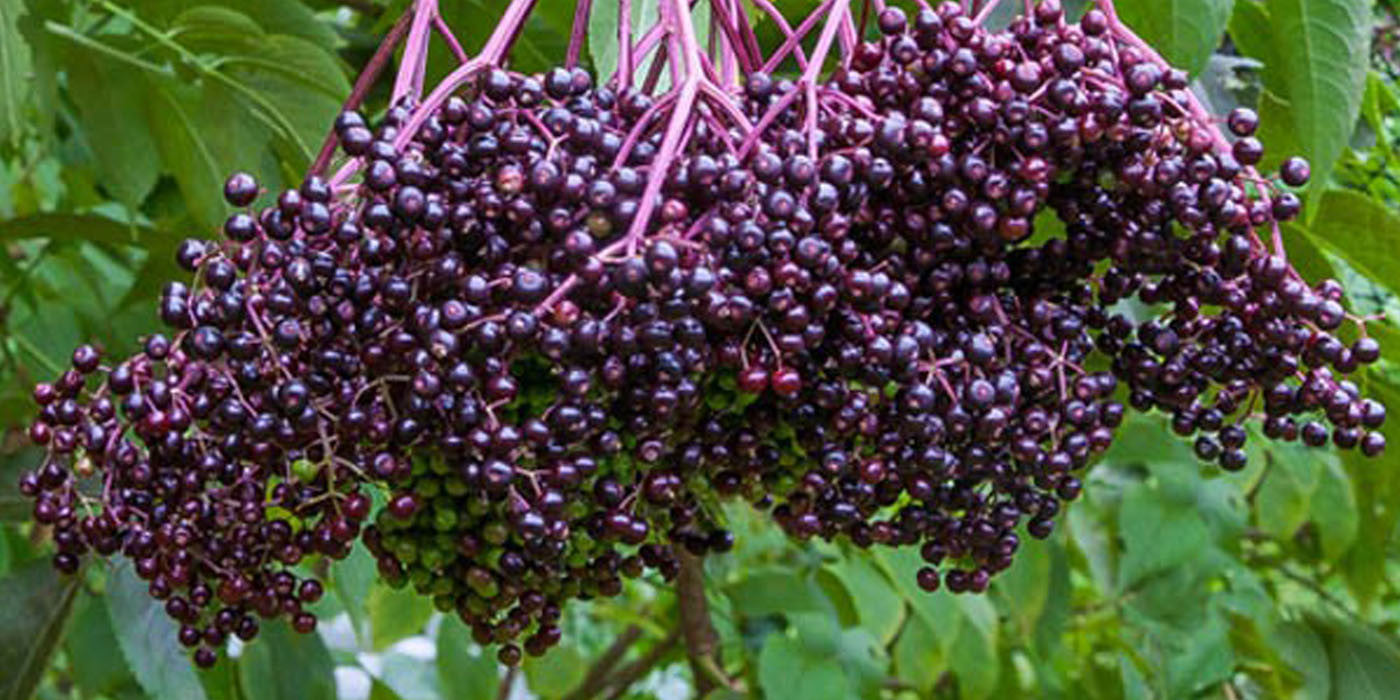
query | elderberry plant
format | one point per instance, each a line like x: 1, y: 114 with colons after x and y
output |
x: 552, y: 320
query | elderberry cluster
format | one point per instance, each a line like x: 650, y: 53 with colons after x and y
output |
x: 554, y: 337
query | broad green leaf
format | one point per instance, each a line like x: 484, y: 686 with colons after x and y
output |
x: 919, y: 656
x: 557, y: 673
x: 1323, y: 48
x: 351, y: 580
x: 777, y: 592
x: 974, y: 657
x: 1303, y: 650
x: 1362, y: 232
x: 147, y: 638
x: 96, y: 670
x: 108, y: 96
x: 15, y: 63
x: 187, y: 149
x: 1157, y: 534
x: 284, y: 665
x: 37, y: 602
x: 878, y: 605
x: 1186, y: 32
x: 1365, y: 664
x: 410, y: 678
x: 1284, y: 499
x: 788, y: 671
x: 1252, y: 32
x: 1334, y: 511
x: 395, y: 614
x: 465, y: 670
x: 1203, y: 660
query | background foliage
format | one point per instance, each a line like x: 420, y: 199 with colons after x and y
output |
x: 118, y: 121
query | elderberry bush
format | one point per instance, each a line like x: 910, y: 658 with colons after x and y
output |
x: 552, y: 323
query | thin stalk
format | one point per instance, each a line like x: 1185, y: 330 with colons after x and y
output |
x: 839, y: 14
x: 624, y: 44
x: 986, y: 11
x: 415, y: 53
x: 581, y: 11
x: 793, y: 43
x: 362, y: 87
x: 449, y: 38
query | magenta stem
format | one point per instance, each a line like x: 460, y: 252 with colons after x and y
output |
x: 415, y: 54
x: 445, y: 32
x: 1198, y: 111
x: 792, y: 44
x: 986, y: 11
x: 838, y: 15
x: 581, y: 11
x: 624, y: 45
x: 362, y: 86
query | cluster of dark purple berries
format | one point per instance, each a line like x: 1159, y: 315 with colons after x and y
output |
x: 553, y: 336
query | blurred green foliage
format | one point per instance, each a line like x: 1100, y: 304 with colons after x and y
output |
x: 1167, y: 580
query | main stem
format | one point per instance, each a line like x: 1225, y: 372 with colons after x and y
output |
x: 701, y: 641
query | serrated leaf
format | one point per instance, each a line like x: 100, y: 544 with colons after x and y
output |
x: 37, y: 602
x: 1323, y: 49
x: 1365, y: 664
x: 284, y: 665
x: 465, y: 670
x: 1186, y: 32
x: 147, y: 639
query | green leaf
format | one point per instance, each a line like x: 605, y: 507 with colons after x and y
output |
x: 14, y: 71
x: 37, y: 602
x: 284, y: 665
x: 1284, y: 499
x: 148, y: 640
x: 1323, y: 49
x: 919, y: 656
x: 556, y: 674
x: 1334, y: 512
x: 1158, y: 534
x: 787, y: 671
x: 1365, y: 664
x: 465, y: 670
x: 878, y: 605
x: 1304, y: 652
x: 108, y: 94
x: 395, y: 614
x: 1252, y: 32
x: 96, y: 670
x: 410, y: 678
x: 777, y: 592
x: 351, y: 580
x: 186, y: 149
x: 1186, y: 32
x: 1362, y: 232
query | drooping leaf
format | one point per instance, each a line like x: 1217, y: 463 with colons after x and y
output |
x: 556, y: 674
x: 1362, y: 232
x: 1186, y: 32
x: 107, y: 94
x: 351, y: 580
x: 1323, y: 49
x: 96, y: 670
x: 1365, y: 664
x: 465, y: 670
x: 148, y: 640
x: 1144, y: 518
x: 788, y: 671
x: 284, y: 665
x: 395, y: 614
x: 37, y: 602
